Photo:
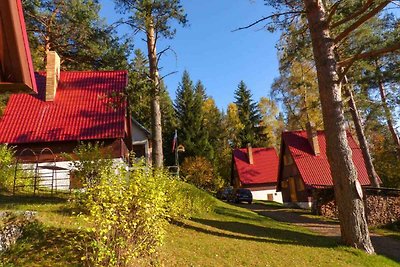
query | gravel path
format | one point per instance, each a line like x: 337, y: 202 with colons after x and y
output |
x: 383, y: 245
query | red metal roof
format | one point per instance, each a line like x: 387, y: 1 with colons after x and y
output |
x: 315, y: 170
x: 81, y: 110
x: 264, y: 169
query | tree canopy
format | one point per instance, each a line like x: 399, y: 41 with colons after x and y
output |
x: 75, y: 31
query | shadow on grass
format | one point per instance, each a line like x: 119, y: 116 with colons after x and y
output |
x: 29, y: 199
x: 45, y: 246
x: 287, y: 215
x: 251, y: 232
x: 234, y: 214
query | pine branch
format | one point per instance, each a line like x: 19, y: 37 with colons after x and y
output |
x: 371, y: 54
x: 354, y: 15
x: 333, y: 10
x: 360, y: 21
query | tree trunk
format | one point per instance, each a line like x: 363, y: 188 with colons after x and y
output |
x: 156, y: 127
x: 373, y: 177
x: 353, y: 224
x: 388, y: 113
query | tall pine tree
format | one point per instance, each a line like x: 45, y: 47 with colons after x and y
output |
x: 189, y: 112
x: 249, y: 116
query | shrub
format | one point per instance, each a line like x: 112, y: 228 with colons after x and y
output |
x: 90, y: 162
x: 129, y: 212
x: 6, y: 167
x: 199, y: 172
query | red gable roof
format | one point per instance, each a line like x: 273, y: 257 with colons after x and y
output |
x: 81, y: 110
x: 315, y: 170
x: 264, y: 169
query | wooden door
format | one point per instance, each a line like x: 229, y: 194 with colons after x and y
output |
x: 292, y: 188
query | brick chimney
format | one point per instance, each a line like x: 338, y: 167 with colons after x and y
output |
x: 52, y: 75
x: 250, y: 154
x: 312, y: 137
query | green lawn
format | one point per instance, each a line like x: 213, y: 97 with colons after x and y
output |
x: 226, y: 236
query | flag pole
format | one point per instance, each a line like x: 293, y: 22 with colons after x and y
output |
x: 176, y: 153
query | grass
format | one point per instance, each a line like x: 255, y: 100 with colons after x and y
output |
x: 391, y: 230
x: 232, y: 236
x: 226, y: 236
x: 53, y: 241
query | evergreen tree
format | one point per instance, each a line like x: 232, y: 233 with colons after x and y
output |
x: 75, y: 31
x: 249, y: 116
x: 188, y: 108
x: 138, y: 89
x: 201, y: 90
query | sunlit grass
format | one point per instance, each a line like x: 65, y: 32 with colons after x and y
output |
x: 226, y: 236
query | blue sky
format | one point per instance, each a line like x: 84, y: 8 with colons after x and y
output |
x: 212, y: 53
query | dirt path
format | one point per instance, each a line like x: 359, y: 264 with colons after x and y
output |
x: 386, y: 246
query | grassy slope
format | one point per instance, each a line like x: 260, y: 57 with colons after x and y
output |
x: 231, y: 236
x: 52, y: 243
x: 226, y: 236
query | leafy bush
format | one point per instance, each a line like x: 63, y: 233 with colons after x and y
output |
x: 90, y: 163
x: 199, y: 172
x: 6, y: 167
x: 129, y: 212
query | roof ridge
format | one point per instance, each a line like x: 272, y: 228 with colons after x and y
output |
x: 85, y: 71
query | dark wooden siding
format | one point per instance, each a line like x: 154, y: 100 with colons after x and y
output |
x: 290, y: 170
x: 113, y: 148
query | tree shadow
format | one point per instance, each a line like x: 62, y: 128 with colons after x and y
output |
x: 45, y: 246
x: 251, y: 232
x: 29, y: 199
x: 232, y: 213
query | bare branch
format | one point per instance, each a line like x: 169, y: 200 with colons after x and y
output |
x: 159, y: 54
x: 361, y: 20
x: 173, y: 72
x: 273, y: 16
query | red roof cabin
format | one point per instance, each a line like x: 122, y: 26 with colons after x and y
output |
x: 256, y: 169
x: 71, y: 107
x: 304, y: 166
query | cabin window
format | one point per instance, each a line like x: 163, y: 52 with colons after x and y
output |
x: 300, y: 185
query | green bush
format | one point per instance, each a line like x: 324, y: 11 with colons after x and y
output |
x: 90, y: 162
x: 129, y: 212
x: 7, y: 168
x: 200, y: 172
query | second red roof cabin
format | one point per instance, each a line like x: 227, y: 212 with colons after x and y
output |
x: 304, y: 166
x: 256, y: 169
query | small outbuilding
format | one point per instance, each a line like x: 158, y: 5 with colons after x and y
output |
x: 304, y: 166
x: 257, y: 170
